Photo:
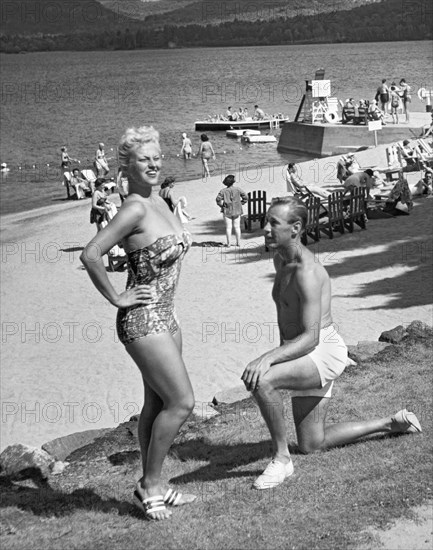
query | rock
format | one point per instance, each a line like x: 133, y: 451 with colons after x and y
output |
x: 366, y: 350
x: 23, y: 462
x: 58, y: 467
x: 418, y: 329
x: 62, y: 447
x: 394, y: 336
x: 232, y: 395
x: 204, y: 411
x: 115, y: 440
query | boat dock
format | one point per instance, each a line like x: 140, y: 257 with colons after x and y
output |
x: 325, y: 139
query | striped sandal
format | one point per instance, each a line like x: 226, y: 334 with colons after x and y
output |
x: 149, y: 505
x: 174, y: 498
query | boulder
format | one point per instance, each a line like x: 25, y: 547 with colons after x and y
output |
x: 114, y: 440
x: 23, y: 462
x: 394, y: 336
x: 232, y: 395
x: 366, y: 350
x: 418, y: 329
x: 62, y: 447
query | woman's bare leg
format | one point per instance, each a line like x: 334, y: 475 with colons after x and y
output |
x: 171, y: 402
x: 237, y: 227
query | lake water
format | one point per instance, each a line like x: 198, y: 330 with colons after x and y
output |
x: 78, y: 99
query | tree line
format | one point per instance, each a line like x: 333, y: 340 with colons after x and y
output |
x: 390, y: 20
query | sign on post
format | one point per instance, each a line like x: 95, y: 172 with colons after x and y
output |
x: 374, y: 126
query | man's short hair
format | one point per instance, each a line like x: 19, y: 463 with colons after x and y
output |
x: 369, y: 172
x: 298, y: 210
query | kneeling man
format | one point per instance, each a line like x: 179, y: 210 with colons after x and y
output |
x: 311, y: 354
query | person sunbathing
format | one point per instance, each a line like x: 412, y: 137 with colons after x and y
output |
x: 295, y: 186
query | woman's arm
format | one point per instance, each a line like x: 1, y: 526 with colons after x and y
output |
x: 95, y: 197
x: 123, y: 224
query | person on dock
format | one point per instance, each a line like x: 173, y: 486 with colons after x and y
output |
x: 406, y: 98
x: 206, y: 153
x: 147, y: 325
x: 382, y: 96
x: 311, y: 355
x: 230, y: 200
x: 259, y: 114
x: 394, y: 102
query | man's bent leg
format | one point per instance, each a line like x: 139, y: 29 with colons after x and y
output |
x: 309, y: 414
x: 299, y: 374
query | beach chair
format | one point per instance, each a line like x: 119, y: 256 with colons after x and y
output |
x: 90, y: 177
x: 256, y: 209
x: 392, y: 156
x: 357, y: 210
x: 312, y: 228
x: 335, y: 215
x: 117, y: 260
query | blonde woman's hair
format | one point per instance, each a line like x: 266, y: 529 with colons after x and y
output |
x: 135, y: 137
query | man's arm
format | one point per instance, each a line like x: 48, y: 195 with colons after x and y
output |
x: 310, y: 297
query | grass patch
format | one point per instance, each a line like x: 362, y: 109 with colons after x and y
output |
x: 330, y: 501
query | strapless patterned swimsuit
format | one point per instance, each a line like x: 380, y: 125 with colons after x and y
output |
x: 158, y: 265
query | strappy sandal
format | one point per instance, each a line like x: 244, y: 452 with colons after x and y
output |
x: 149, y: 505
x: 174, y: 498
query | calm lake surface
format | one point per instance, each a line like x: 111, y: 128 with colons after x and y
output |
x: 78, y: 99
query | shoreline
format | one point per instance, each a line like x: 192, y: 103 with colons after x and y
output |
x: 64, y: 370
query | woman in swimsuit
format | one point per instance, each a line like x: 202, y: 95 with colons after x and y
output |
x: 155, y: 243
x: 206, y: 152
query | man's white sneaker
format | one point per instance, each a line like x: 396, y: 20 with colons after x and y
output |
x: 274, y: 474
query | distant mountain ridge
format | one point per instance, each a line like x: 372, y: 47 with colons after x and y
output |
x: 32, y: 17
x: 200, y: 12
x: 88, y: 25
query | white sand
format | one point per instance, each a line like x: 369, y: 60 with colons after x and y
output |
x: 63, y: 370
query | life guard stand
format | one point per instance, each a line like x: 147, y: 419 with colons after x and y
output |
x: 317, y: 105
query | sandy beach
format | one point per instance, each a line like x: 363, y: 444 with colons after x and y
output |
x: 63, y: 369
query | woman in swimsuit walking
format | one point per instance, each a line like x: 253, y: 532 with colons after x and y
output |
x: 155, y: 243
x: 206, y: 152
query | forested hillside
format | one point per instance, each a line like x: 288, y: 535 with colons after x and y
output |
x: 388, y: 20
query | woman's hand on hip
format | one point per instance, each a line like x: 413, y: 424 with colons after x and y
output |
x: 136, y: 296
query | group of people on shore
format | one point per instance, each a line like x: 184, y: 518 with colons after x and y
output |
x: 310, y: 357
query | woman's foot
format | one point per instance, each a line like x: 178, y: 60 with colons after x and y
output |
x: 151, y: 502
x: 174, y: 498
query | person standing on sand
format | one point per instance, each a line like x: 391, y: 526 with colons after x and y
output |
x: 100, y: 162
x: 206, y: 153
x: 155, y: 243
x: 230, y: 200
x: 311, y: 354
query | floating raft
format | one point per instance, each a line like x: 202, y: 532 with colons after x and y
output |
x: 239, y: 124
x: 258, y: 139
x: 239, y: 133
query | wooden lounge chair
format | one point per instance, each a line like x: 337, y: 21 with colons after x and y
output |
x: 357, y: 211
x: 312, y: 228
x: 256, y: 209
x: 335, y: 215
